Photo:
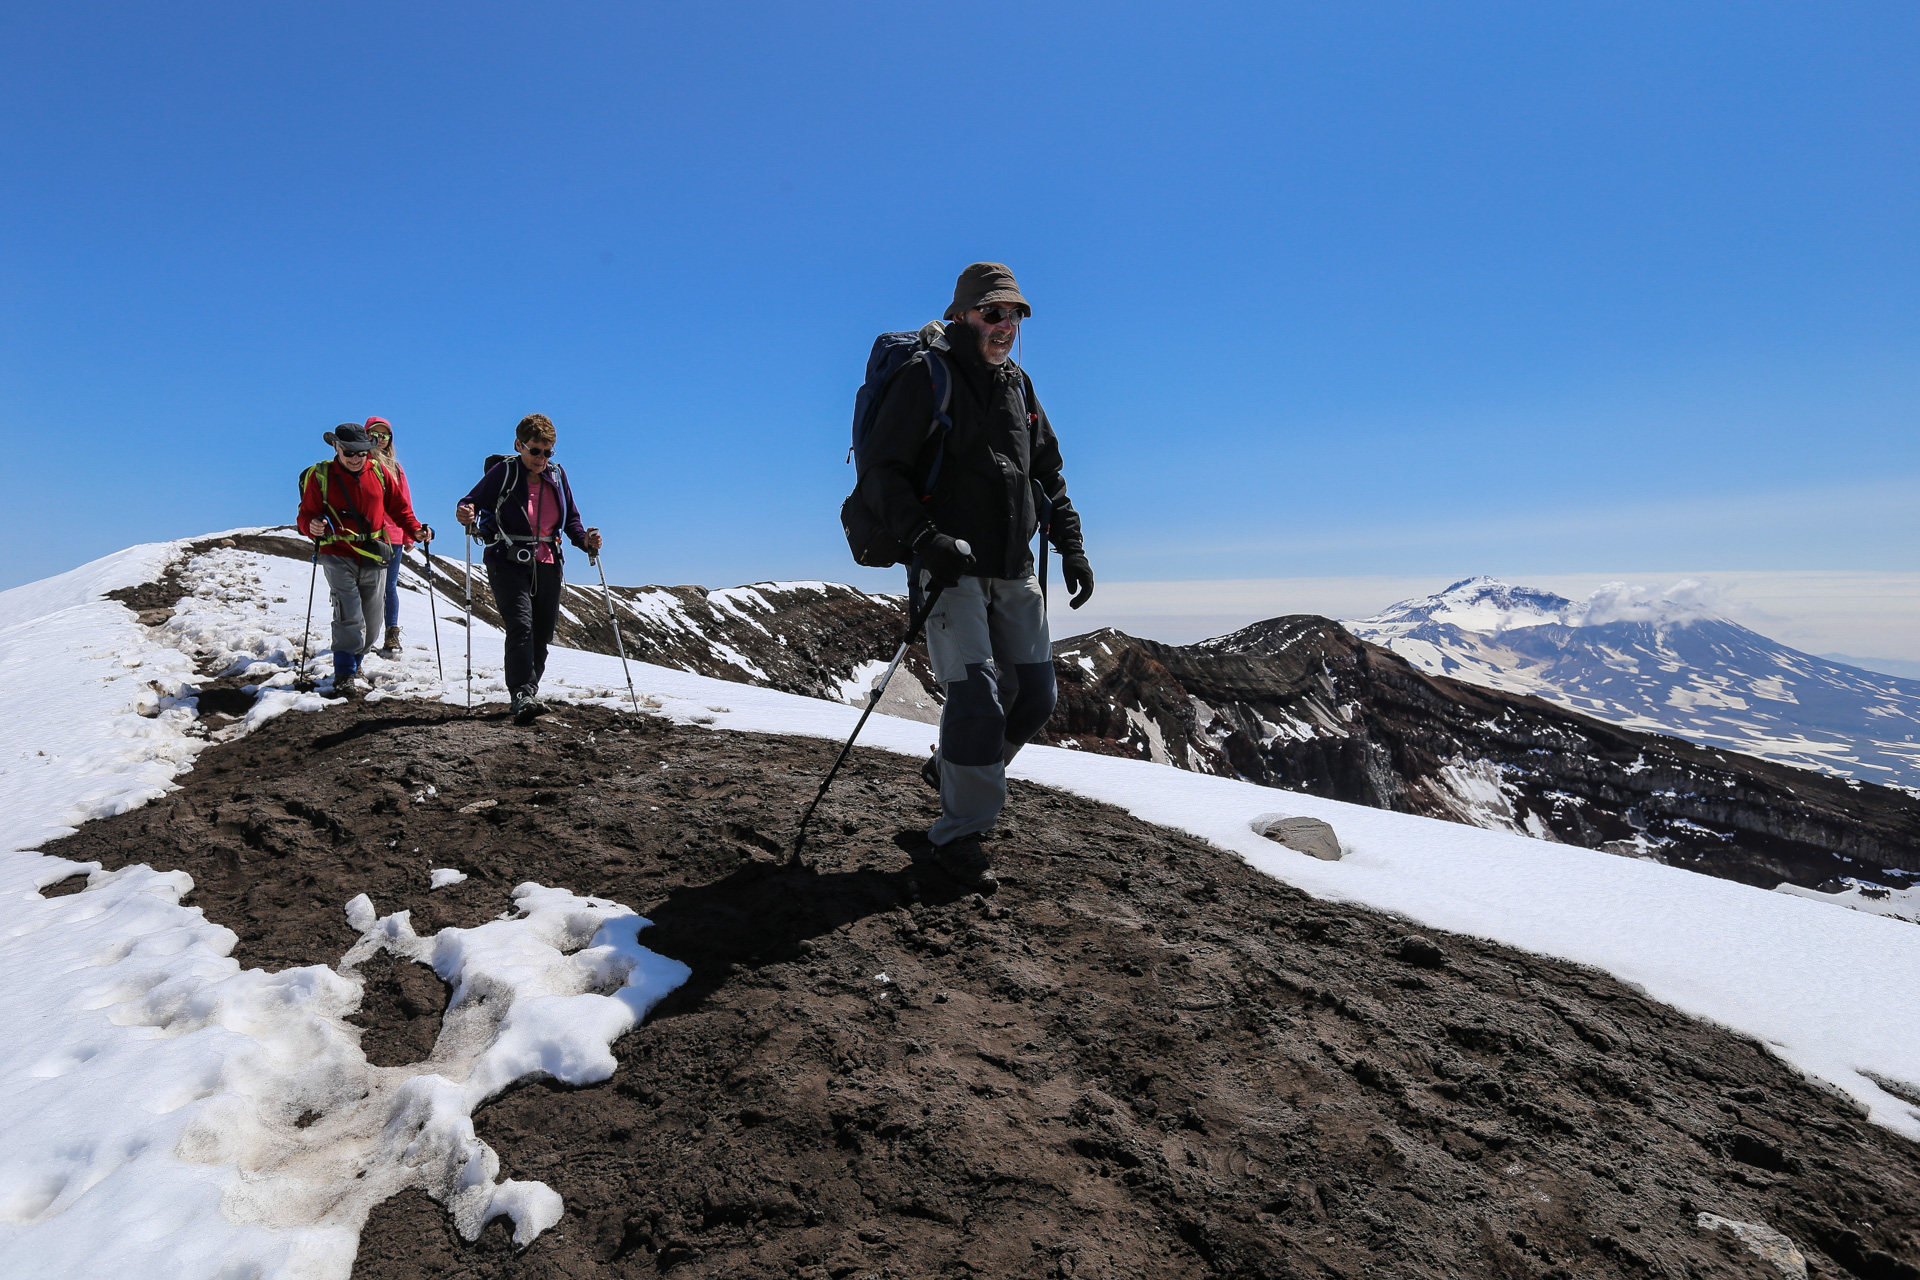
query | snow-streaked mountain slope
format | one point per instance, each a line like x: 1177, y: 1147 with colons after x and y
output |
x: 152, y: 1091
x: 1663, y: 664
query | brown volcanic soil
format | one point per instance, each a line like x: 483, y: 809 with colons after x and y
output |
x: 1141, y: 1059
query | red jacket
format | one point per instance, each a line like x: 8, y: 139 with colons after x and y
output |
x: 398, y: 475
x: 369, y: 509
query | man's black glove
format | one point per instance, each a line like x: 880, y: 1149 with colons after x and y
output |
x: 942, y: 557
x: 1077, y: 576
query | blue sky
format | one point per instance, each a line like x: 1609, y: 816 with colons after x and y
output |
x: 1320, y: 290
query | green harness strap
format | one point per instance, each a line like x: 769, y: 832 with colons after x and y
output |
x: 352, y: 540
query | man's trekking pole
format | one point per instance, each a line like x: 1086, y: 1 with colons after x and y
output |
x: 469, y: 541
x: 313, y: 575
x: 618, y: 643
x: 426, y: 549
x: 914, y: 624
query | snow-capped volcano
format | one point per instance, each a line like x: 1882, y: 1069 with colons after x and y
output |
x: 1665, y: 663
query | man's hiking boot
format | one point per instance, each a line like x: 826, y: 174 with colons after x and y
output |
x: 391, y: 647
x: 930, y: 771
x: 965, y: 863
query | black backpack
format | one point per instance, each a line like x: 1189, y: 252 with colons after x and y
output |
x: 868, y: 537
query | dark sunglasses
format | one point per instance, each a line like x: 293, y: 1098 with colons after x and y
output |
x: 538, y: 453
x: 997, y: 314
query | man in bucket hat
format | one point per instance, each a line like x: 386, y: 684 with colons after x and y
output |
x: 998, y: 481
x: 351, y: 507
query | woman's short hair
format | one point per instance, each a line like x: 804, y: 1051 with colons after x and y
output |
x: 535, y: 428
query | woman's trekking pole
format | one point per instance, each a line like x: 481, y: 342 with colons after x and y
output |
x: 918, y: 621
x: 618, y: 643
x: 469, y: 541
x: 313, y: 575
x: 433, y: 611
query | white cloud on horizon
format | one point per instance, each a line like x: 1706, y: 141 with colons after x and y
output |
x: 1688, y: 600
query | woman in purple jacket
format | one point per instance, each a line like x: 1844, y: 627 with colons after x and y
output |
x: 518, y: 510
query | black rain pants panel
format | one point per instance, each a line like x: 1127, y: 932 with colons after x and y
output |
x: 528, y: 598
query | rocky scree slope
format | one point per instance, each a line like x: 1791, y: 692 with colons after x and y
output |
x: 1301, y: 703
x: 818, y: 639
x: 1141, y: 1059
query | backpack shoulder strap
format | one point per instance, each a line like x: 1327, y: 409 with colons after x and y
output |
x: 942, y: 388
x: 942, y: 412
x: 507, y: 480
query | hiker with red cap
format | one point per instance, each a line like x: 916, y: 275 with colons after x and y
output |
x: 964, y: 469
x: 381, y: 432
x: 352, y: 508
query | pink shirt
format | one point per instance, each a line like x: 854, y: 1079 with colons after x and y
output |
x: 543, y: 515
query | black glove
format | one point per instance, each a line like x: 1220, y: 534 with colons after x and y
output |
x: 1076, y: 575
x: 942, y: 557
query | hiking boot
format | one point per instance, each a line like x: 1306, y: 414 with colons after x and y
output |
x: 965, y: 863
x: 527, y: 708
x: 390, y: 648
x: 930, y: 771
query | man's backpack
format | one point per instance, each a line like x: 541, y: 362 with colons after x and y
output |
x: 868, y: 537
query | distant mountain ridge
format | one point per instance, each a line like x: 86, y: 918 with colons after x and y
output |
x: 1301, y: 704
x: 1663, y: 664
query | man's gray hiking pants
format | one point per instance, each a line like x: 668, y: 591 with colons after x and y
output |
x: 988, y: 642
x: 358, y: 587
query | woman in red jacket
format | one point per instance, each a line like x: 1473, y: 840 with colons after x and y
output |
x: 381, y: 432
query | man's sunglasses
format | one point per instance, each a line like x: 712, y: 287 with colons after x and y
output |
x: 538, y: 453
x: 997, y: 314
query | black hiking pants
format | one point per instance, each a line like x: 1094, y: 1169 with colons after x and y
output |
x: 528, y: 598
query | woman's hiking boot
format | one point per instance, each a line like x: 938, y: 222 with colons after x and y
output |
x: 390, y: 648
x: 527, y: 707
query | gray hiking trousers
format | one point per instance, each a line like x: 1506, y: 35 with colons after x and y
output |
x: 988, y: 642
x: 358, y: 587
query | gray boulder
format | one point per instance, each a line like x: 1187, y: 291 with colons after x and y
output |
x: 1310, y: 836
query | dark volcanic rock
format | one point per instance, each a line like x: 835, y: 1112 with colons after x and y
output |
x: 1141, y: 1059
x: 1300, y: 703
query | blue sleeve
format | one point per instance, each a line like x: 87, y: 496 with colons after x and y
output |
x: 576, y: 530
x: 484, y: 495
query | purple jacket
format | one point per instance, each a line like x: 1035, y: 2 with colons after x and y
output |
x: 511, y: 475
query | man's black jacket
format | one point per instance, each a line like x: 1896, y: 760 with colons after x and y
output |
x: 1000, y: 443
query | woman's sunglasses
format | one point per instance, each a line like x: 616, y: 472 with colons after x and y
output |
x: 997, y: 314
x: 538, y: 453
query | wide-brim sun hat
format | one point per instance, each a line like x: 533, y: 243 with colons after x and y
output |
x: 982, y: 285
x: 349, y: 437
